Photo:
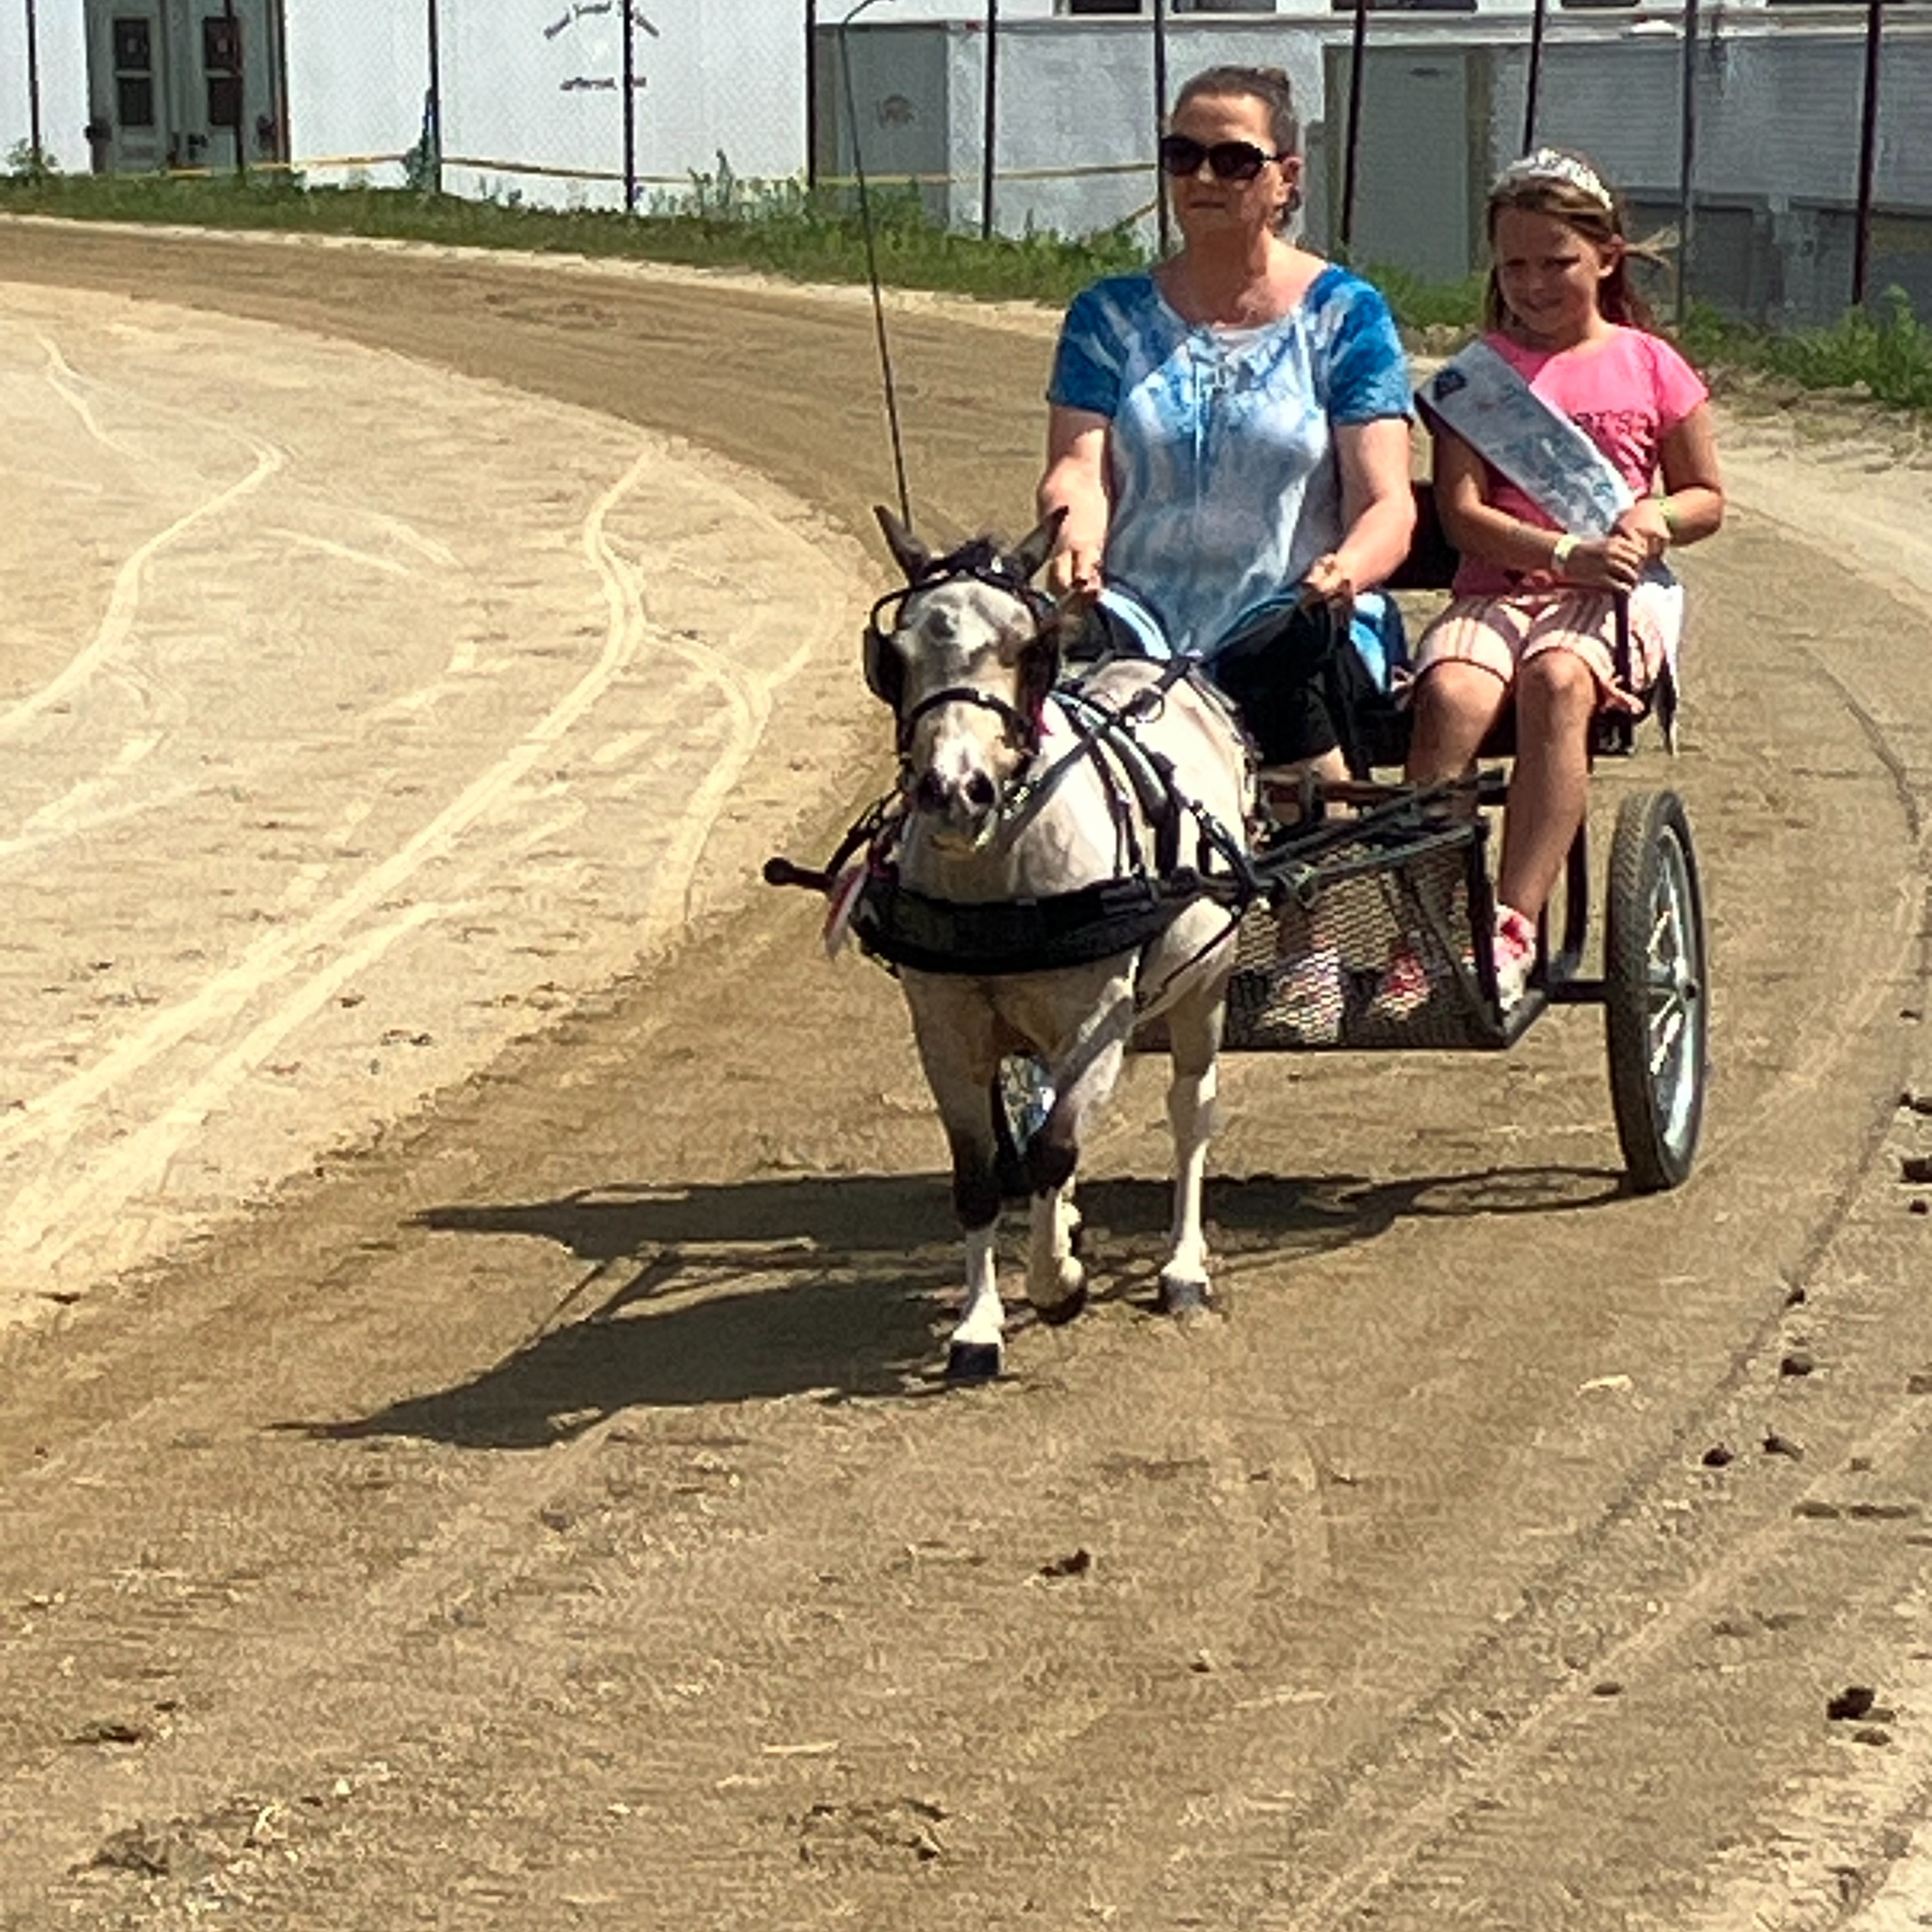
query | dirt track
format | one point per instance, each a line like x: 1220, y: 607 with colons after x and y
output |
x: 544, y: 1518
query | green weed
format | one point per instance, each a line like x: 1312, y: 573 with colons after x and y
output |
x: 1885, y: 355
x: 721, y: 221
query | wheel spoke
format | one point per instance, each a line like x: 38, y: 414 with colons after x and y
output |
x: 1665, y: 1033
x: 1665, y: 921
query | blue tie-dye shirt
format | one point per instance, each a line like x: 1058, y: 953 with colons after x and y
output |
x: 1222, y: 473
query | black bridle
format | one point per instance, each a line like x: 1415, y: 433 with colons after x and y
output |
x: 979, y: 563
x: 1023, y: 731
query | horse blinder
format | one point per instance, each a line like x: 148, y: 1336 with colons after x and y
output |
x: 885, y: 666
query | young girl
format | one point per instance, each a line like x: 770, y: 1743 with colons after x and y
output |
x: 1535, y: 609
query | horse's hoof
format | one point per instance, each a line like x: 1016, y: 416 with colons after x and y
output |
x: 1053, y: 1313
x: 973, y: 1362
x: 1181, y: 1297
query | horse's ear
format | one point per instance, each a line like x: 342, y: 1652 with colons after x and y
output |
x: 1039, y: 669
x: 912, y: 556
x: 1038, y: 546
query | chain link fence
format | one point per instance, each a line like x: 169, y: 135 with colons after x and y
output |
x: 1785, y: 148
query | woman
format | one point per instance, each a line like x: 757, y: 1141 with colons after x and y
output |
x: 1229, y: 432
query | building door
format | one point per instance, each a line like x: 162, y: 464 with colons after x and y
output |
x: 1419, y: 190
x: 233, y: 107
x: 127, y: 119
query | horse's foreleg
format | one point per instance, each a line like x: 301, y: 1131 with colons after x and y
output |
x: 1194, y: 1034
x: 954, y: 1034
x: 976, y: 1351
x: 1056, y: 1282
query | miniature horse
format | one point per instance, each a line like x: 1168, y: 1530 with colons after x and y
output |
x: 1024, y: 801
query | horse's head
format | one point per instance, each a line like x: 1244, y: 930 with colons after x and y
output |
x: 964, y: 656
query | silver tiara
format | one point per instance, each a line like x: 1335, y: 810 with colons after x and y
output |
x: 1547, y: 164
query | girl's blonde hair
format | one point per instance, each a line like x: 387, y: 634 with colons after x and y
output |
x: 1565, y: 186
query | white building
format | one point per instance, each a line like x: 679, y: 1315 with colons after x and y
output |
x: 534, y: 82
x: 533, y: 104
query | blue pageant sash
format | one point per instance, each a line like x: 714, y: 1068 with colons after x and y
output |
x: 1541, y: 450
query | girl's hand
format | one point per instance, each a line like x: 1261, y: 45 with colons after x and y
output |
x: 1644, y: 523
x: 1326, y: 582
x: 1614, y: 562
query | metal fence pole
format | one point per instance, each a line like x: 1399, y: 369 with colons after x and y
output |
x: 240, y: 128
x: 1163, y: 229
x: 1537, y: 20
x: 433, y: 105
x: 1687, y: 162
x: 811, y: 95
x: 34, y: 83
x: 630, y: 85
x: 990, y: 139
x: 1351, y: 130
x: 1868, y: 151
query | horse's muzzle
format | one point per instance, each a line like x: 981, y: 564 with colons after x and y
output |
x: 961, y: 801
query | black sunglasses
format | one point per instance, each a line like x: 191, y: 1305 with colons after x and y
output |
x: 1181, y: 155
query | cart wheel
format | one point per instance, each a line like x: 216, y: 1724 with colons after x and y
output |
x: 1021, y: 1097
x: 1654, y: 1010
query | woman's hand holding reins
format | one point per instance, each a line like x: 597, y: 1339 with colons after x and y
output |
x: 1073, y: 572
x: 1327, y: 581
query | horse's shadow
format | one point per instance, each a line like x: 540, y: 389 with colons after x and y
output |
x: 841, y: 1288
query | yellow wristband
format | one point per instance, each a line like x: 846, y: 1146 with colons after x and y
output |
x: 1667, y: 511
x: 1560, y: 555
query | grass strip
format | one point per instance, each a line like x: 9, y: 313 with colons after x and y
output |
x: 1881, y: 353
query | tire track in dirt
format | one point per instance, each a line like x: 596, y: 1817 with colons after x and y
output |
x: 111, y: 1138
x: 124, y: 601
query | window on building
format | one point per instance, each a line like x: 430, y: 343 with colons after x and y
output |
x: 134, y: 73
x: 221, y: 60
x: 1409, y: 6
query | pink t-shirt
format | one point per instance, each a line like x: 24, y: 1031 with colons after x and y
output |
x: 1626, y: 394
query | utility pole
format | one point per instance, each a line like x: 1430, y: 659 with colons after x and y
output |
x: 1537, y: 21
x: 1352, y: 132
x: 812, y: 95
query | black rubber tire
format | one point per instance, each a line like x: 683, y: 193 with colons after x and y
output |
x: 1656, y: 1008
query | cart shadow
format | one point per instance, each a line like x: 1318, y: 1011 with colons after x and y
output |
x: 837, y: 1289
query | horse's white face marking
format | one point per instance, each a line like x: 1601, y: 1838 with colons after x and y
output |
x: 968, y: 635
